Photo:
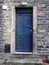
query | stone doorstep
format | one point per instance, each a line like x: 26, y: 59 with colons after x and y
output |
x: 2, y: 61
x: 25, y: 61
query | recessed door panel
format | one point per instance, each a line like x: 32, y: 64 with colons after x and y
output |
x: 24, y: 30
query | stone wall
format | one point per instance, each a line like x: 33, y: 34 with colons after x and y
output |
x: 5, y: 25
x: 42, y: 23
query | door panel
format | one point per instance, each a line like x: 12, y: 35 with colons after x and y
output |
x: 19, y: 32
x: 19, y: 24
x: 27, y: 19
x: 23, y: 30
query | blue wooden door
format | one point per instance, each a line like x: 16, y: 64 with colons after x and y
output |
x: 24, y: 30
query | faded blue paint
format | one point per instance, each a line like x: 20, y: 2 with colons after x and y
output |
x: 23, y: 30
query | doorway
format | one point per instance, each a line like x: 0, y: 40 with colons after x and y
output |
x: 24, y: 30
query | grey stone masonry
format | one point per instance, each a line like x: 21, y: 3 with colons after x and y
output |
x: 42, y: 23
x: 5, y: 25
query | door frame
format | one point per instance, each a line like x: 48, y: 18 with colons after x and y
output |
x: 31, y: 9
x: 13, y: 20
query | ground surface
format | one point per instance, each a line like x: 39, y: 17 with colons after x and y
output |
x: 22, y: 64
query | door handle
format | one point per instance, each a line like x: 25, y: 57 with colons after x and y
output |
x: 31, y: 30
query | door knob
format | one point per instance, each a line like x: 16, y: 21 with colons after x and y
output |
x: 30, y: 30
